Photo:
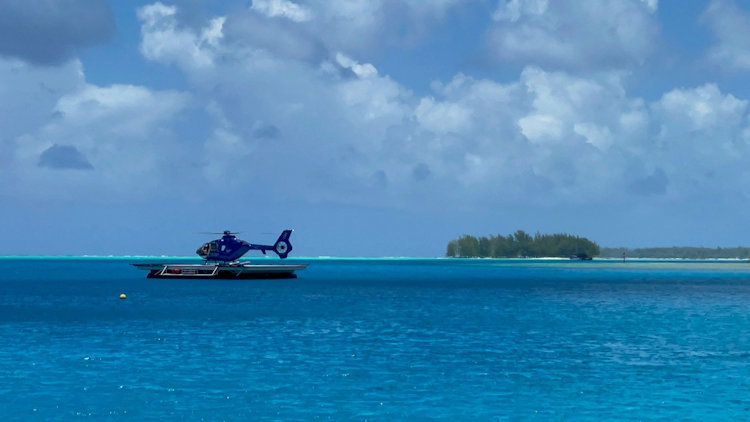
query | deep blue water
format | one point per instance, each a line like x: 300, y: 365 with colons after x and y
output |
x: 377, y: 340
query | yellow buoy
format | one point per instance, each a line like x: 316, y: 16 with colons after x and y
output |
x: 122, y: 296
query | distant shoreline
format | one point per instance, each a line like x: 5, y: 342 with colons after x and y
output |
x: 562, y: 245
x: 677, y: 252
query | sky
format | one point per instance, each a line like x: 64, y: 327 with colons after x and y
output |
x: 371, y: 127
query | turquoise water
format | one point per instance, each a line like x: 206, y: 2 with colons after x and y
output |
x: 377, y: 340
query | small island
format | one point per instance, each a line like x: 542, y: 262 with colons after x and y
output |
x: 522, y: 245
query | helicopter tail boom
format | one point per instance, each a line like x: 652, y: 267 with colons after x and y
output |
x: 282, y: 247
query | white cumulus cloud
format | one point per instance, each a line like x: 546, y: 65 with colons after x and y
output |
x: 284, y: 8
x: 337, y: 128
x: 442, y: 117
x: 124, y: 132
x: 574, y: 34
x: 731, y: 27
x: 163, y: 41
x: 362, y: 70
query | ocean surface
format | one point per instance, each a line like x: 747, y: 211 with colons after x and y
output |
x: 377, y: 339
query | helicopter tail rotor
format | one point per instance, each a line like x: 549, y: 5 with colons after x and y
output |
x: 283, y: 246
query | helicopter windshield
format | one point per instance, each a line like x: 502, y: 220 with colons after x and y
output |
x: 207, y: 248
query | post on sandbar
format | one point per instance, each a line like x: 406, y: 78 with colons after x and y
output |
x: 623, y: 256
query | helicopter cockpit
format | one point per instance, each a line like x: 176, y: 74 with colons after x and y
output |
x: 206, y: 249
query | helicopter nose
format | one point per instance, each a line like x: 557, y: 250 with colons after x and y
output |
x: 203, y: 250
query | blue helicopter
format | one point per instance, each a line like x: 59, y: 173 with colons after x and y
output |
x: 229, y: 248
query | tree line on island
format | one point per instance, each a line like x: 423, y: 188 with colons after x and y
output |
x: 522, y: 244
x: 680, y: 252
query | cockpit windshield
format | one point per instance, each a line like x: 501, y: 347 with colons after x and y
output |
x: 206, y: 249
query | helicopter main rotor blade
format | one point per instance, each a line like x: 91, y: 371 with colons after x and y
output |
x: 219, y: 232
